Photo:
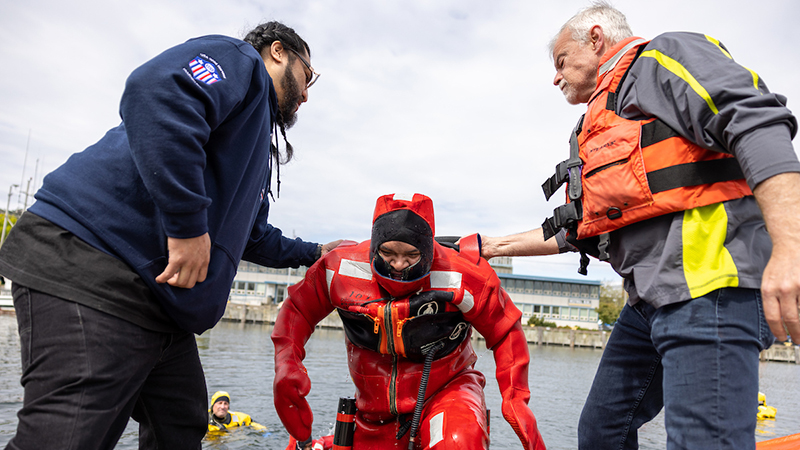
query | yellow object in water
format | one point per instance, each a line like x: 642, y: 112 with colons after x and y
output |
x: 232, y: 419
x: 764, y: 411
x: 237, y: 419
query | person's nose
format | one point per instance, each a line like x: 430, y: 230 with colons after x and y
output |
x: 557, y: 79
x: 305, y: 95
x: 398, y: 264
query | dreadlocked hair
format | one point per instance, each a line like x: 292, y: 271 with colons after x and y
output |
x: 261, y: 38
x: 289, y: 149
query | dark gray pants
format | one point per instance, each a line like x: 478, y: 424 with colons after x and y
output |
x: 86, y: 372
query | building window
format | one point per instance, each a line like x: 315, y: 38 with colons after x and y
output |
x: 548, y: 287
x: 555, y: 311
x: 281, y: 293
x: 537, y: 309
x: 537, y: 287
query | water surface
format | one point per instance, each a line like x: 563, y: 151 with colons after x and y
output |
x: 239, y: 359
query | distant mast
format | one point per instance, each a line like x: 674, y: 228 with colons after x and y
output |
x: 24, y: 163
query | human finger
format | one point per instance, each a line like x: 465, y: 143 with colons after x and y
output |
x: 168, y: 274
x: 790, y: 310
x: 772, y: 313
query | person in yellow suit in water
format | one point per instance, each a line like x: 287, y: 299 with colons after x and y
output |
x: 220, y: 419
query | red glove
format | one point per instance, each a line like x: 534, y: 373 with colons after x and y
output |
x: 291, y: 383
x: 323, y: 443
x: 511, y: 358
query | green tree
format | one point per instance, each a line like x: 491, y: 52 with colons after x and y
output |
x: 12, y: 219
x: 536, y: 321
x: 612, y: 299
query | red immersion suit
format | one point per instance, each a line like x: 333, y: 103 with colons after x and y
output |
x: 391, y: 325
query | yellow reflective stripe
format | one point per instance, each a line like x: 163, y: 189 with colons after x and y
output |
x: 755, y: 80
x: 680, y: 71
x: 707, y: 264
x: 716, y: 42
x: 725, y: 52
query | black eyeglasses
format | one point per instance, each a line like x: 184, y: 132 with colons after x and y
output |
x: 314, y: 75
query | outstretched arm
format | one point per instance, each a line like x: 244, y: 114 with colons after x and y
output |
x: 512, y: 358
x: 529, y: 243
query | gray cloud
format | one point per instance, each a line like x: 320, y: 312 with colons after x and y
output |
x: 452, y: 98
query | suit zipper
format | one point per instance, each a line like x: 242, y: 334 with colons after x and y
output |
x: 387, y: 323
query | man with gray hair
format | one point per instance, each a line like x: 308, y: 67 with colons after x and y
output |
x: 678, y: 149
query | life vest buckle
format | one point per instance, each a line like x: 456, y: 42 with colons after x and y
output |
x: 563, y: 217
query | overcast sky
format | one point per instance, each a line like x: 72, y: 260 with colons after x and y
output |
x: 453, y: 99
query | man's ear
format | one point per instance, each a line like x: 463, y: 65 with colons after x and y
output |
x: 597, y: 40
x: 275, y: 59
x: 277, y: 53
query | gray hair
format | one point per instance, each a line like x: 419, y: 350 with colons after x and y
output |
x: 611, y: 20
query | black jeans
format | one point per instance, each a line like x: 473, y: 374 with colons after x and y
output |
x: 86, y: 372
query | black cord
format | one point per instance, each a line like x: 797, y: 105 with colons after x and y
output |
x: 423, y: 384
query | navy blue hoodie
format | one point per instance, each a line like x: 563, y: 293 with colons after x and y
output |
x: 191, y: 156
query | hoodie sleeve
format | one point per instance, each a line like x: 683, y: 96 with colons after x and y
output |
x: 268, y: 246
x: 170, y: 107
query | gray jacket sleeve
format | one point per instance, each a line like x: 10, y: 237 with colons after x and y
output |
x: 691, y: 82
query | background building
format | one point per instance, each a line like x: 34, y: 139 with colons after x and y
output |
x: 565, y: 302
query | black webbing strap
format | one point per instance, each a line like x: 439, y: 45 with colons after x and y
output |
x: 569, y: 169
x: 551, y: 185
x: 655, y: 132
x: 549, y: 228
x: 694, y: 174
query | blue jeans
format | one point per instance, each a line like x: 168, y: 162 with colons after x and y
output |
x: 697, y: 359
x: 85, y: 373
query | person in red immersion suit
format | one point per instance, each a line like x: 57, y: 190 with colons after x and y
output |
x: 408, y: 306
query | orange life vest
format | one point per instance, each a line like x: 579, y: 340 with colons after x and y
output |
x: 624, y: 171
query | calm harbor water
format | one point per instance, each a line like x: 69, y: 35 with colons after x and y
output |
x: 239, y: 359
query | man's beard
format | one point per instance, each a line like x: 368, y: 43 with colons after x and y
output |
x: 569, y: 92
x: 291, y: 98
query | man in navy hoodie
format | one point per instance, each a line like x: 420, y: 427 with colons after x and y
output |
x: 132, y: 244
